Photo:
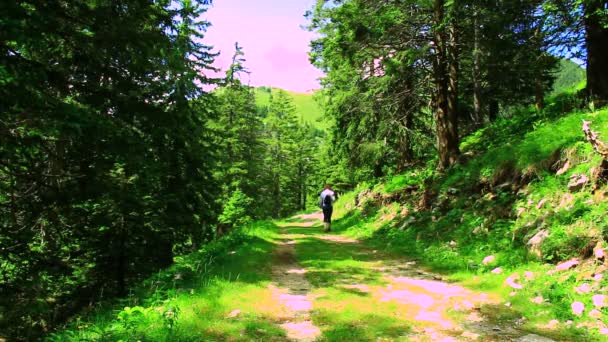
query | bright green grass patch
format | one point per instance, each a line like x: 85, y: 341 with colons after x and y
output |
x: 400, y: 182
x: 330, y: 263
x: 307, y: 108
x: 196, y: 305
x: 341, y: 313
x: 527, y: 152
x: 414, y: 178
x: 344, y: 316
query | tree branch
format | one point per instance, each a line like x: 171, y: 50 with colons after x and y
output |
x: 593, y: 138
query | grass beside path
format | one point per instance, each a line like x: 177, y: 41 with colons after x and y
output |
x: 231, y: 301
x: 352, y: 292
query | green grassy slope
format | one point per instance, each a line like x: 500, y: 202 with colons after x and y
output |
x: 306, y: 106
x: 512, y: 191
x: 569, y: 76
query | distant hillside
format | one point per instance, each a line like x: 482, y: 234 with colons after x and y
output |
x: 569, y: 76
x: 306, y: 107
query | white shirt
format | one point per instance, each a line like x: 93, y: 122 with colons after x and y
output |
x: 324, y: 193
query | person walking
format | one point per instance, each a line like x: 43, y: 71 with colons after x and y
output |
x: 326, y: 202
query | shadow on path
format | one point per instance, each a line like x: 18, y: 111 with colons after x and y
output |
x: 368, y: 294
x: 291, y: 289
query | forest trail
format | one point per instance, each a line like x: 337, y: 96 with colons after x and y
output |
x: 292, y: 291
x: 335, y: 288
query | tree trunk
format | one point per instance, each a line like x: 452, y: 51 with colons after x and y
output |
x: 444, y: 102
x: 13, y: 202
x: 596, y: 39
x: 121, y: 260
x: 539, y: 87
x: 493, y: 110
x: 301, y: 186
x: 406, y: 155
x: 539, y: 92
x: 304, y: 194
x: 276, y: 195
x: 378, y: 173
x: 477, y: 118
x: 453, y: 66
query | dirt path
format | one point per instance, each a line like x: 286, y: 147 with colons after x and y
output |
x: 345, y: 286
x: 291, y: 289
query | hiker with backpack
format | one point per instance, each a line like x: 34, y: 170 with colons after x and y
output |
x: 326, y: 202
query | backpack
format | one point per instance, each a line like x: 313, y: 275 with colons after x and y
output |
x: 327, y: 201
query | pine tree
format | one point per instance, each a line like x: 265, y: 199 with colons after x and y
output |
x: 280, y: 132
x: 105, y: 162
x: 240, y: 130
x: 389, y: 63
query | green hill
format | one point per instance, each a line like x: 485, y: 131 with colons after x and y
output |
x: 569, y: 76
x: 307, y: 107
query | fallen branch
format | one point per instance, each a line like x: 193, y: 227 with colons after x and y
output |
x: 601, y: 172
x: 593, y: 138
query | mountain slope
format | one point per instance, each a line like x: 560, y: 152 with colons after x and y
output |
x: 307, y: 107
x: 569, y: 76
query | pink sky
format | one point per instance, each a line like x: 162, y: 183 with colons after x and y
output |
x: 270, y: 33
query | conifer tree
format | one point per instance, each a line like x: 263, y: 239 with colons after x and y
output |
x: 240, y: 130
x: 104, y: 151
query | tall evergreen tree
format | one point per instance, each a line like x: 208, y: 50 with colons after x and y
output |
x: 105, y: 163
x: 421, y: 48
x: 281, y: 128
x: 579, y: 28
x: 240, y: 130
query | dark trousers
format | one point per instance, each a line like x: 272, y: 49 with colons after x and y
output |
x: 327, y: 211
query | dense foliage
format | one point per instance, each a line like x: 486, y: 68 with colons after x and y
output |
x: 112, y: 157
x: 407, y: 78
x: 105, y: 164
